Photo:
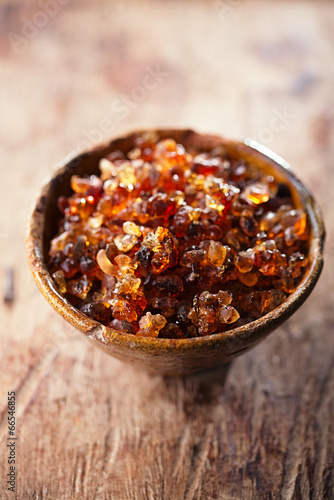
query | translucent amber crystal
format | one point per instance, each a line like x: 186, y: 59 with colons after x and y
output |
x: 95, y: 221
x: 249, y: 278
x: 296, y: 219
x: 265, y: 301
x: 79, y: 287
x: 129, y: 284
x: 104, y: 263
x: 125, y: 263
x: 110, y: 186
x: 107, y: 168
x: 243, y: 261
x: 111, y: 205
x: 296, y: 262
x: 227, y: 314
x: 122, y: 309
x: 205, y: 313
x: 256, y: 193
x: 224, y: 298
x: 58, y: 243
x: 125, y: 242
x: 169, y: 154
x: 131, y: 228
x: 203, y: 164
x: 86, y: 186
x: 80, y: 207
x: 164, y: 253
x: 161, y: 206
x: 127, y: 176
x: 60, y: 280
x: 287, y: 281
x: 215, y: 204
x: 139, y: 302
x: 268, y: 221
x: 290, y: 236
x: 216, y: 253
x: 151, y: 324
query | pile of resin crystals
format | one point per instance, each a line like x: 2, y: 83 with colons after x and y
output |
x: 176, y: 244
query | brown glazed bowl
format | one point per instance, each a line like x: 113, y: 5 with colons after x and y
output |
x: 168, y: 356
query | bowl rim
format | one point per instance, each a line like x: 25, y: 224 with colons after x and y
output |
x: 241, y: 335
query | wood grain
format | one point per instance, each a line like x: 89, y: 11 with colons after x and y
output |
x: 89, y: 426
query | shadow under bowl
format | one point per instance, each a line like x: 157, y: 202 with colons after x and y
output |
x: 168, y: 356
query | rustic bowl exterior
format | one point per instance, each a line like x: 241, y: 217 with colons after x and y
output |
x: 169, y: 356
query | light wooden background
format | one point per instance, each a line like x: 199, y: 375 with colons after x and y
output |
x: 88, y: 426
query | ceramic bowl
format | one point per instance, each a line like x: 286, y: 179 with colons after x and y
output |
x: 167, y: 356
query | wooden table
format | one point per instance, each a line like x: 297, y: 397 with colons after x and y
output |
x: 89, y: 426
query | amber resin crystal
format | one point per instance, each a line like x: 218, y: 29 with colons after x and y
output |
x: 177, y: 243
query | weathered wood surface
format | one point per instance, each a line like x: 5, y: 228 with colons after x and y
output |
x: 89, y: 426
